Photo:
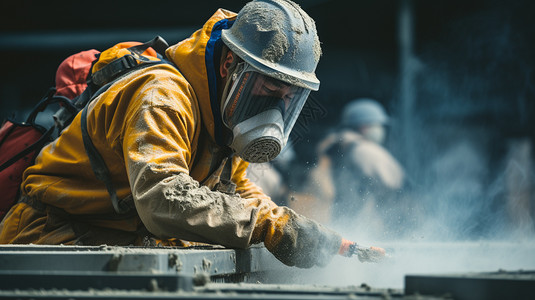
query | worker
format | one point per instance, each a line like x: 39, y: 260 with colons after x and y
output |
x: 356, y: 179
x: 170, y: 134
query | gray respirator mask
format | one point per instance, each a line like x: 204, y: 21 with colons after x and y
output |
x: 261, y: 112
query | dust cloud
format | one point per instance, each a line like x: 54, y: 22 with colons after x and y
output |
x: 471, y: 204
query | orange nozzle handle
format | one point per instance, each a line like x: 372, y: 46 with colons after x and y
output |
x: 345, y: 247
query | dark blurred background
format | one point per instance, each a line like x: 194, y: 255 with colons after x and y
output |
x: 456, y: 76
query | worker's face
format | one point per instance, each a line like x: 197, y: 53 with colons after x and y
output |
x: 250, y: 93
x: 264, y: 85
x: 267, y: 86
x: 374, y: 132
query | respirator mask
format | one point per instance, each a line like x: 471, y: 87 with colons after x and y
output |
x: 261, y: 112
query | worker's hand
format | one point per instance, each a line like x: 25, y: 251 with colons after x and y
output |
x: 365, y: 254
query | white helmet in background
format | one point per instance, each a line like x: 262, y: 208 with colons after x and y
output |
x: 368, y: 117
x: 280, y: 49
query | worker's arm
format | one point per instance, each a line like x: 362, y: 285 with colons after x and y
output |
x: 292, y: 238
x: 157, y: 146
x: 179, y: 207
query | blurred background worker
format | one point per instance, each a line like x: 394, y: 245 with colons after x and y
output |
x: 356, y: 180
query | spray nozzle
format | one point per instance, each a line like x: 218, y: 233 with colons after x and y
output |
x: 368, y: 254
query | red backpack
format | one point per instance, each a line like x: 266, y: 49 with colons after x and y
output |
x: 21, y: 142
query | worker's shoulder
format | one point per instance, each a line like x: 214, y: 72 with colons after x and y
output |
x: 338, y: 142
x: 376, y: 161
x: 160, y: 74
x: 158, y: 87
x: 161, y: 84
x: 364, y: 146
x: 368, y: 152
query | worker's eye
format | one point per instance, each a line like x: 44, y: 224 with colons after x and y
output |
x: 288, y: 97
x: 270, y: 89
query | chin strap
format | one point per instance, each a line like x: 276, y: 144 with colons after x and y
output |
x: 225, y: 184
x: 221, y: 179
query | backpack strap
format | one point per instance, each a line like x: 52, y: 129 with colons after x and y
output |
x: 109, y: 73
x: 225, y: 184
x: 98, y: 164
x: 49, y: 98
x: 128, y: 62
x: 100, y: 169
x: 33, y: 147
x: 157, y: 43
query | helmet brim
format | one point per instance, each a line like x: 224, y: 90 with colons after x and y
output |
x: 301, y: 79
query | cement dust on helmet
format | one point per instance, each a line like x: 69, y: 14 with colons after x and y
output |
x: 279, y: 39
x: 260, y: 111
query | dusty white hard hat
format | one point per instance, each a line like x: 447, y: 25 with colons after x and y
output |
x: 278, y: 39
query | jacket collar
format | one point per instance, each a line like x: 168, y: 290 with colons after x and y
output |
x: 197, y: 58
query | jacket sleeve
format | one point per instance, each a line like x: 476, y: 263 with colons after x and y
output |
x: 171, y: 204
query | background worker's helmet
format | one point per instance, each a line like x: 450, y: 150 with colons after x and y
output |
x: 368, y: 117
x: 364, y: 111
x: 277, y: 43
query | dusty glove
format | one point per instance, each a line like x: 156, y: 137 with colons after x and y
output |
x: 296, y: 240
x: 364, y: 254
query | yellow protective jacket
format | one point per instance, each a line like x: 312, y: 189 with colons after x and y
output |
x: 157, y: 131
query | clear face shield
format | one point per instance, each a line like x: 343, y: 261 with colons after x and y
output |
x: 261, y: 112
